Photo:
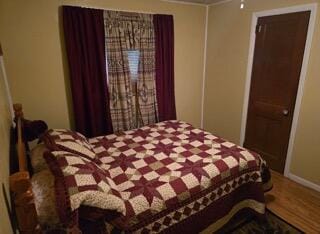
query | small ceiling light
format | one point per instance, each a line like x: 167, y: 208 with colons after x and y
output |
x: 242, y: 4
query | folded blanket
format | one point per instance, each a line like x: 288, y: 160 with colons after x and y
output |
x: 80, y: 181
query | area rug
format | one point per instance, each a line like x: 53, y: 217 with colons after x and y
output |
x: 273, y: 225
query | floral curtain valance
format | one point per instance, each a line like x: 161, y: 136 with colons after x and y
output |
x: 131, y: 26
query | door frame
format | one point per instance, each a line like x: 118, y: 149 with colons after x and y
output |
x: 6, y: 84
x: 306, y: 7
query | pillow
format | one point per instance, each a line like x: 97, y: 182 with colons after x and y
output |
x: 69, y: 141
x: 80, y: 181
x: 38, y: 163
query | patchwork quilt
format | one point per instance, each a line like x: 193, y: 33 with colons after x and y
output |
x: 156, y: 178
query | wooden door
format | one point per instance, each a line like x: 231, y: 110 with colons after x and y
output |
x: 278, y: 56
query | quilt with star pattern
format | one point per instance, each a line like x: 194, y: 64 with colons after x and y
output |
x: 165, y: 176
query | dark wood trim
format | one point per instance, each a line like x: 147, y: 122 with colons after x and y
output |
x: 1, y: 53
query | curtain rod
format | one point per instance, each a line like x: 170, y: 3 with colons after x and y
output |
x: 112, y: 9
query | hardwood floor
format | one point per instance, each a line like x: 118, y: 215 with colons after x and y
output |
x: 295, y: 203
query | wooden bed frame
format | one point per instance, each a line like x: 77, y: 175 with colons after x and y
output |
x: 20, y: 184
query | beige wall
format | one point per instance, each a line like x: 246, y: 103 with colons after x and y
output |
x: 30, y: 37
x: 5, y: 124
x: 227, y: 51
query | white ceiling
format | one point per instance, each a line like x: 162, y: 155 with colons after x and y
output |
x: 205, y: 2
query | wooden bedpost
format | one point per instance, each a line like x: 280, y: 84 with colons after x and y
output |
x: 20, y: 184
x: 21, y: 149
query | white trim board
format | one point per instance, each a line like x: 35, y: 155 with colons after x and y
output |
x: 204, y: 65
x: 219, y: 3
x: 185, y: 3
x: 304, y: 182
x: 307, y: 7
x: 198, y: 4
x: 6, y: 86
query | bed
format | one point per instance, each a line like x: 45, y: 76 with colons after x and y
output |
x: 169, y: 177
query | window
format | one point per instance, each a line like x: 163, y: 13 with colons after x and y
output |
x: 133, y: 59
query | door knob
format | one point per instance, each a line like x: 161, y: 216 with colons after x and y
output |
x: 285, y: 112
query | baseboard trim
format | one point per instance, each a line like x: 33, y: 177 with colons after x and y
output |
x: 304, y: 182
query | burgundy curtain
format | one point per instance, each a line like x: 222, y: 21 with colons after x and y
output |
x: 164, y: 39
x: 84, y: 38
